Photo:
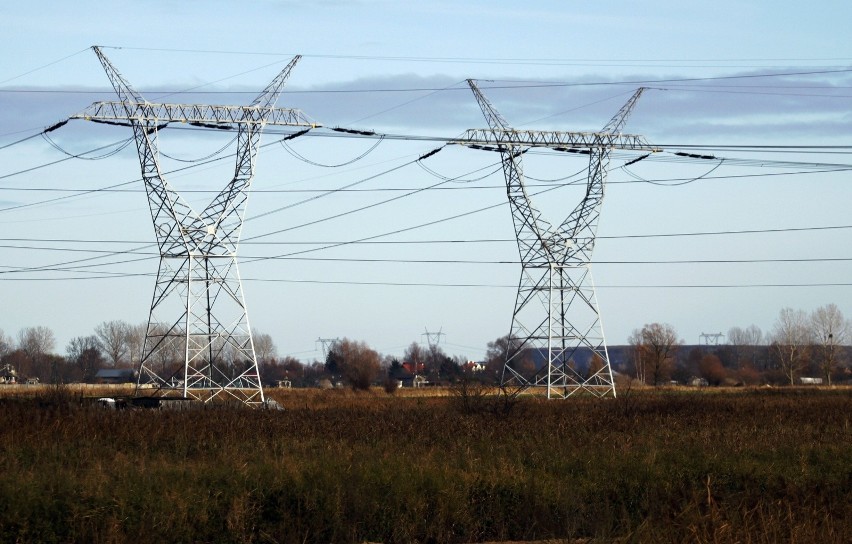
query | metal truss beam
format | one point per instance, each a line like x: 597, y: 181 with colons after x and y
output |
x: 198, y: 341
x: 146, y: 112
x: 556, y: 323
x: 554, y: 139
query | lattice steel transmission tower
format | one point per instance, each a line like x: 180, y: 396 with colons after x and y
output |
x: 433, y: 339
x: 710, y: 339
x: 198, y: 313
x: 556, y: 315
x: 326, y: 344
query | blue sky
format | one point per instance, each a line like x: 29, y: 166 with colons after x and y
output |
x: 773, y: 76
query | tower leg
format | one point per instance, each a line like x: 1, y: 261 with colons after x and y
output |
x: 556, y: 341
x: 207, y: 352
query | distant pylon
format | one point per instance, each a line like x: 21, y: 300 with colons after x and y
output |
x: 326, y: 343
x: 710, y: 339
x: 198, y: 341
x: 433, y: 339
x: 556, y: 317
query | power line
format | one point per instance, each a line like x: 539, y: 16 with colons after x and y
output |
x: 833, y: 169
x: 338, y: 215
x: 454, y: 261
x: 462, y: 285
x: 355, y: 210
x: 372, y: 238
x: 345, y: 189
x: 450, y: 241
x: 43, y: 66
x: 514, y: 85
x: 473, y: 59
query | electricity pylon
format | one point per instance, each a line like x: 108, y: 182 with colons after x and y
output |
x: 710, y: 339
x: 556, y: 315
x: 198, y: 341
x: 326, y: 344
x: 433, y: 338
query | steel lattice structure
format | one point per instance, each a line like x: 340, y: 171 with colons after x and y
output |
x: 556, y: 312
x: 198, y: 312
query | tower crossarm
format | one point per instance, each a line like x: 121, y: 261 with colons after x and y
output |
x: 201, y: 114
x: 553, y: 139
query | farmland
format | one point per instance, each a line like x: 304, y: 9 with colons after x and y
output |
x: 654, y: 465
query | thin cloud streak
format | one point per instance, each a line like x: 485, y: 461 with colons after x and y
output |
x: 783, y: 107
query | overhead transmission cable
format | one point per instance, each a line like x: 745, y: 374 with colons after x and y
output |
x: 322, y: 195
x: 42, y: 67
x: 685, y: 182
x: 458, y: 241
x: 302, y: 158
x: 351, y: 211
x: 404, y: 229
x: 210, y: 156
x: 102, y: 189
x: 511, y: 84
x: 102, y: 275
x: 361, y: 208
x: 119, y: 146
x: 385, y: 234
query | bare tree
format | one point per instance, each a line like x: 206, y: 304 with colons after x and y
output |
x: 264, y: 347
x: 170, y: 351
x: 136, y: 343
x: 435, y: 358
x: 746, y: 342
x: 498, y: 350
x: 655, y: 347
x: 417, y: 356
x: 596, y: 365
x: 750, y: 336
x: 637, y: 355
x: 791, y: 339
x: 358, y: 364
x: 507, y: 349
x: 711, y: 369
x: 113, y: 336
x: 830, y: 331
x: 36, y: 342
x: 5, y: 344
x: 84, y: 352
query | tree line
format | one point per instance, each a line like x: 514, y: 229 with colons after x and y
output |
x: 799, y: 344
x: 117, y: 344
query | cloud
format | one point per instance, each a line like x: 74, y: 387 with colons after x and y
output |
x: 760, y: 107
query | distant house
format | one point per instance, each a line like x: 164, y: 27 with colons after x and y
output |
x: 414, y: 381
x: 115, y: 376
x: 474, y: 366
x: 8, y: 374
x: 810, y: 381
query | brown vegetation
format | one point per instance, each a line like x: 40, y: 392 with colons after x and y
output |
x: 758, y: 465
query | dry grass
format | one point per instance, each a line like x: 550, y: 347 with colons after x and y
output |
x: 337, y: 466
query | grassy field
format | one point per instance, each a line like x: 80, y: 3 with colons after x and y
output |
x: 745, y: 465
